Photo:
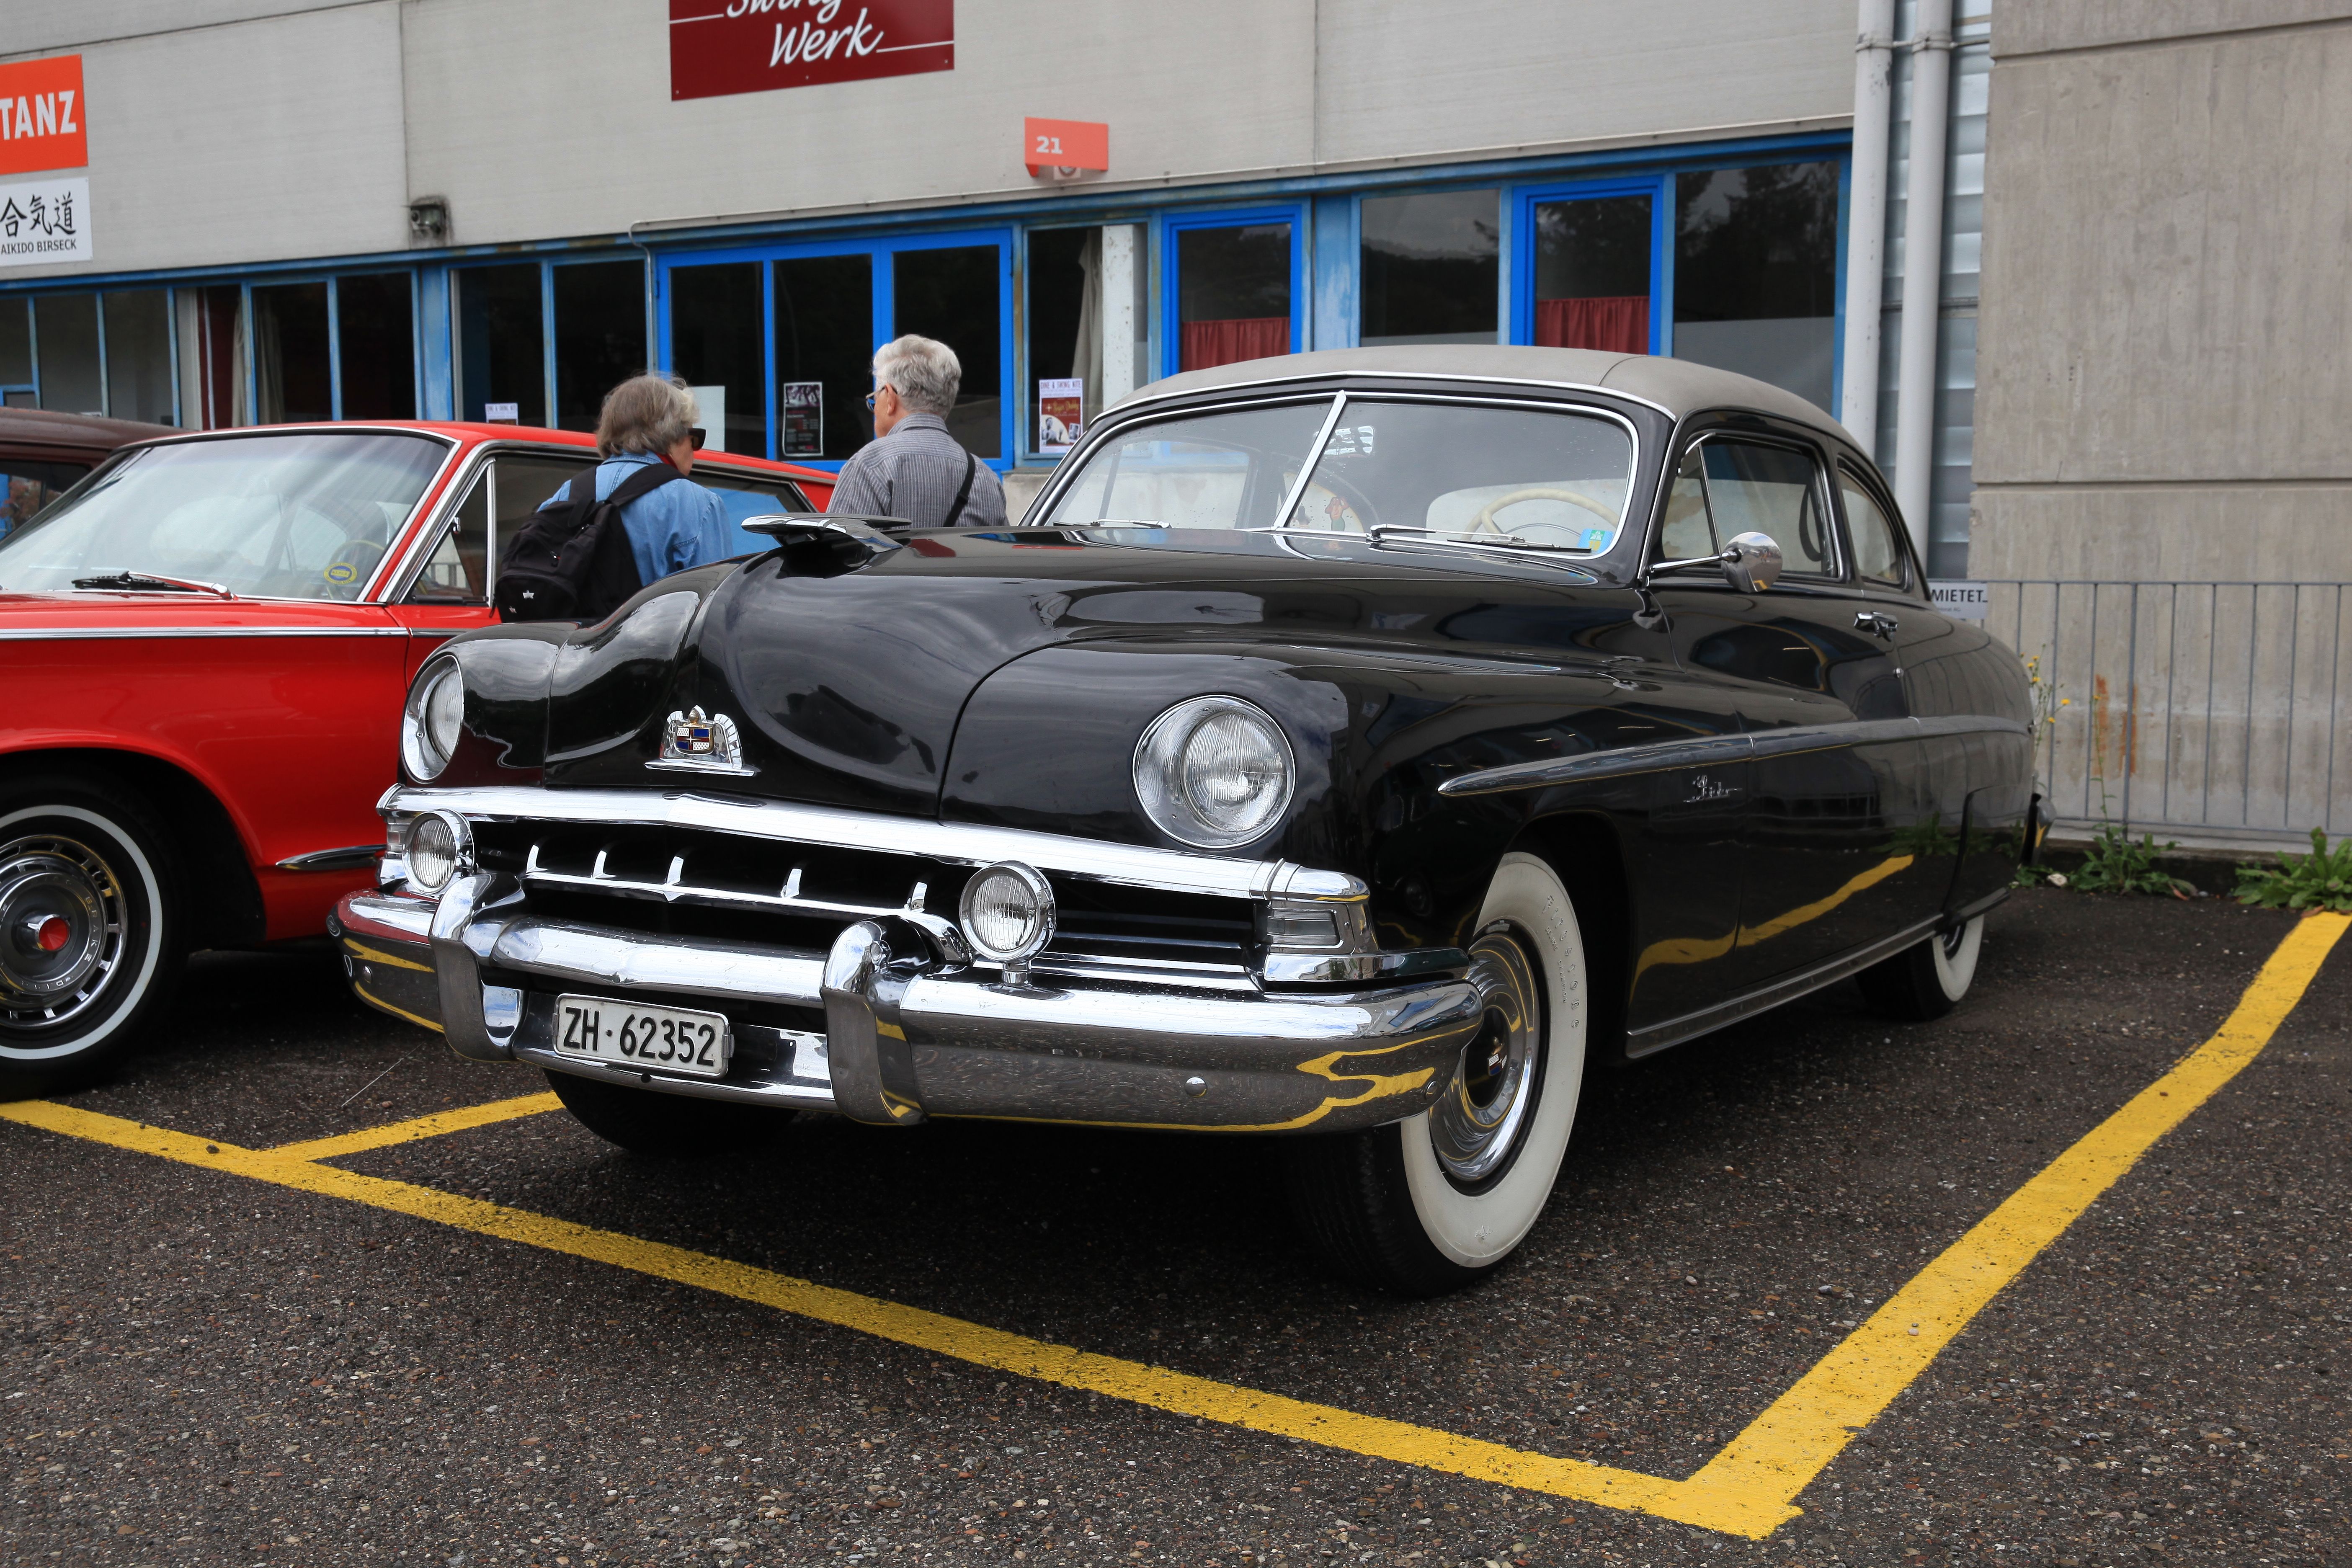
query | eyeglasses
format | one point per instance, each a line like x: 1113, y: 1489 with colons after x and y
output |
x: 697, y: 435
x: 879, y: 392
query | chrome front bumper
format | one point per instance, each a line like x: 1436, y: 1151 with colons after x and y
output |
x: 906, y: 1036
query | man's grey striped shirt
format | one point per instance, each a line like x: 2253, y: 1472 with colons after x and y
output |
x: 914, y: 472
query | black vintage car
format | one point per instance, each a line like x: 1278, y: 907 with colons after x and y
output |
x: 1358, y: 746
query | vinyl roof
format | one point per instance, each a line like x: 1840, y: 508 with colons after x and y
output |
x: 1679, y: 386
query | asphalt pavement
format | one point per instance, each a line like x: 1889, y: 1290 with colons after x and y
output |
x: 204, y: 1369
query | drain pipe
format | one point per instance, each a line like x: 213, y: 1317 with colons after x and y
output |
x: 1923, y: 268
x: 1865, y: 251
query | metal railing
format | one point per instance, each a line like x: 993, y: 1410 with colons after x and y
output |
x: 2205, y: 709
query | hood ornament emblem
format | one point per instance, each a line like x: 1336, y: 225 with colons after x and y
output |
x: 699, y: 743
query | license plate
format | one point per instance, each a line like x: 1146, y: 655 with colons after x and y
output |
x: 651, y: 1039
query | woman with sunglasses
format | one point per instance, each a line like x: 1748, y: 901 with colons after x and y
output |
x: 648, y: 422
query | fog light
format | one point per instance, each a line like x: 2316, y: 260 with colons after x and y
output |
x: 1292, y: 925
x: 1008, y: 915
x: 440, y: 845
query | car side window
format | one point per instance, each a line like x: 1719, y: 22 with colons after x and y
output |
x: 1877, y: 552
x: 1755, y: 487
x: 27, y: 485
x: 1688, y: 534
x: 525, y: 481
x: 458, y: 570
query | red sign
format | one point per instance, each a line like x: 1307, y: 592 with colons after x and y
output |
x: 1065, y: 144
x: 719, y: 47
x: 42, y: 115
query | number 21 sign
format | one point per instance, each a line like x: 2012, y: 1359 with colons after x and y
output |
x: 1064, y: 144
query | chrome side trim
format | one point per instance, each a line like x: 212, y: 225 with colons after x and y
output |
x: 1717, y: 751
x: 1125, y: 864
x: 349, y: 859
x: 596, y: 956
x: 77, y: 634
x: 1690, y: 1025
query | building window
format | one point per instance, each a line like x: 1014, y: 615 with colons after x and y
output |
x: 212, y: 357
x: 66, y: 327
x: 1430, y: 268
x: 501, y: 343
x: 600, y: 336
x: 825, y: 355
x: 1086, y: 324
x: 17, y: 353
x: 1755, y: 273
x: 1233, y: 293
x: 376, y: 333
x: 139, y: 356
x: 955, y: 294
x: 714, y: 315
x: 1592, y: 274
x: 293, y: 371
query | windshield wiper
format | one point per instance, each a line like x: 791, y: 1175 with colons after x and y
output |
x: 1508, y: 543
x: 129, y: 581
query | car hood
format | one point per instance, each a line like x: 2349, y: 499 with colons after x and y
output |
x: 845, y: 687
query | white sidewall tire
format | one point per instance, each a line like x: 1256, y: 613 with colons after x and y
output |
x: 1954, y: 970
x: 126, y: 1008
x: 1478, y: 1230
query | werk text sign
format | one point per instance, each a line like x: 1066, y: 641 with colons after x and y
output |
x: 42, y: 116
x: 721, y: 46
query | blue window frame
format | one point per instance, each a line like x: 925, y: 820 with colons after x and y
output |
x: 1229, y: 290
x: 1532, y: 210
x: 927, y: 297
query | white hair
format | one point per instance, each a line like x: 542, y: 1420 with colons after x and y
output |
x: 923, y: 371
x: 646, y: 413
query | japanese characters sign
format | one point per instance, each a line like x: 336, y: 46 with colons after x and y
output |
x: 42, y: 116
x: 45, y: 221
x: 721, y: 46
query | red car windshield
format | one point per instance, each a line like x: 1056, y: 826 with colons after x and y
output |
x: 302, y: 515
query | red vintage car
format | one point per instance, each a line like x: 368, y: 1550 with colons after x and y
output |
x: 205, y: 649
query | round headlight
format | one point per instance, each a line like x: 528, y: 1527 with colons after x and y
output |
x: 1008, y: 912
x: 440, y: 845
x: 1213, y: 772
x: 433, y: 720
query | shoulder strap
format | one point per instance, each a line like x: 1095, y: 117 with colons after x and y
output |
x: 971, y: 466
x: 650, y: 478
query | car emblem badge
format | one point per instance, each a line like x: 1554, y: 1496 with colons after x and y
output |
x: 695, y: 741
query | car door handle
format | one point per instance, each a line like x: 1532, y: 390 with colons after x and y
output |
x: 1877, y: 624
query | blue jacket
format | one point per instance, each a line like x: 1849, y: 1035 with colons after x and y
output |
x: 678, y: 526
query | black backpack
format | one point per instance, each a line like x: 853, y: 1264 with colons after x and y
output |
x: 571, y: 561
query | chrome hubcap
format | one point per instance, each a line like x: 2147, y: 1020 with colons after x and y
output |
x: 61, y: 929
x: 1475, y: 1125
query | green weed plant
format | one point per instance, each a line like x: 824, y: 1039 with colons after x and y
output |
x: 2319, y: 880
x: 2117, y: 865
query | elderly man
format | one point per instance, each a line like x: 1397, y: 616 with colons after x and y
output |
x: 648, y: 422
x: 913, y: 469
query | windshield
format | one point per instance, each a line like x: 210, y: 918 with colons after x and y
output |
x: 1452, y: 471
x: 297, y: 516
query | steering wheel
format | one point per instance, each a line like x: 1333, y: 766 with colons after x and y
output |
x: 1485, y: 521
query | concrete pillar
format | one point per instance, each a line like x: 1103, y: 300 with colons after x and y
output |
x: 1865, y: 264
x: 1922, y: 269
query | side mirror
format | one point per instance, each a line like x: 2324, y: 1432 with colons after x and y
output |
x: 1752, y: 562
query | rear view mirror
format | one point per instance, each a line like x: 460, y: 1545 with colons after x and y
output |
x: 1752, y: 562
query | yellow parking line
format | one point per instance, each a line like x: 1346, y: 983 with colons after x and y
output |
x: 433, y: 1126
x: 1749, y: 1489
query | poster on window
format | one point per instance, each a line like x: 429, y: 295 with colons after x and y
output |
x: 1060, y: 408
x: 804, y: 406
x: 721, y: 47
x: 43, y: 221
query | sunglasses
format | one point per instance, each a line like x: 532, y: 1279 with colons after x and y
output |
x: 697, y: 435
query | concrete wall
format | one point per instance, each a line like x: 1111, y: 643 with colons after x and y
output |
x: 233, y: 130
x: 2164, y: 361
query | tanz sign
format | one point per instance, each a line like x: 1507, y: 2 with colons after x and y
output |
x: 721, y: 46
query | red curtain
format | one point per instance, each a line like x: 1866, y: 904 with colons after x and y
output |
x: 1617, y: 323
x: 1210, y: 343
